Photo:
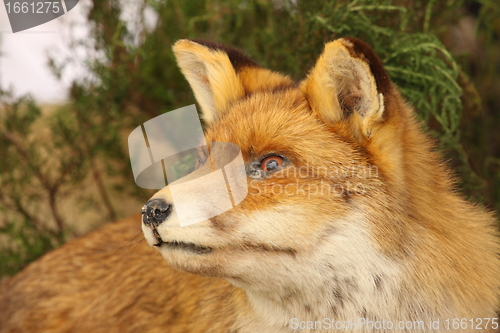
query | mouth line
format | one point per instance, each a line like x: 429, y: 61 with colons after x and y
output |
x: 176, y: 245
x: 191, y: 247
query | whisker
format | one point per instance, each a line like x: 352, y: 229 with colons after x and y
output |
x: 131, y: 242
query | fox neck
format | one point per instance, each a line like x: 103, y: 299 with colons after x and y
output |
x: 344, y: 278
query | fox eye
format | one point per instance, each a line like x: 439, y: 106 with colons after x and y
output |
x: 272, y: 163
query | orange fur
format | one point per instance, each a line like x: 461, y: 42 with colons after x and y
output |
x: 362, y: 222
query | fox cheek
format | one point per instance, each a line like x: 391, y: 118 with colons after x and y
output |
x: 254, y: 188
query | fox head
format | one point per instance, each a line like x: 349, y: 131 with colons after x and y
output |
x: 338, y: 171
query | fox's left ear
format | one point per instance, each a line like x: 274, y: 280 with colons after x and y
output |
x: 348, y: 82
x: 220, y: 75
x: 211, y: 74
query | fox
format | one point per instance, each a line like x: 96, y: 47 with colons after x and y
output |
x: 351, y: 223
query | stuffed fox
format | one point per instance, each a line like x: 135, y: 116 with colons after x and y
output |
x: 369, y: 236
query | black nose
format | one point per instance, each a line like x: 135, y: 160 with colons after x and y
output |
x: 154, y: 212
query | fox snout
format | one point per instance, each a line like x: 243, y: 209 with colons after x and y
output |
x: 154, y: 213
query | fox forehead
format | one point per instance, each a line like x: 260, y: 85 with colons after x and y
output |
x: 282, y: 122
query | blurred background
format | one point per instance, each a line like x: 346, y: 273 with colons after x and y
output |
x: 72, y: 90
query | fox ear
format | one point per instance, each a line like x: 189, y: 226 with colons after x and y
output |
x: 211, y: 70
x: 220, y: 75
x: 348, y: 81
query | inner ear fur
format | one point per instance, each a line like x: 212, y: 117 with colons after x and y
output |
x: 348, y: 81
x: 221, y: 75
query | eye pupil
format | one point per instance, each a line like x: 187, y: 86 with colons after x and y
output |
x: 271, y: 165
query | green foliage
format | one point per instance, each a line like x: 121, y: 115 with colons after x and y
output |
x: 23, y: 171
x: 480, y: 137
x: 25, y: 244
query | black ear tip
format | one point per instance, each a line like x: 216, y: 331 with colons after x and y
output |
x: 238, y: 59
x: 361, y: 50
